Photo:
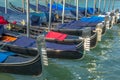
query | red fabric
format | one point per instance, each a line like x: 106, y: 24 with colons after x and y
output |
x: 3, y: 21
x: 14, y: 22
x: 56, y: 35
x: 1, y: 17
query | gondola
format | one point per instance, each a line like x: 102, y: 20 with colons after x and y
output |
x: 2, y: 10
x: 70, y: 38
x: 17, y: 9
x: 90, y: 11
x: 80, y: 24
x: 35, y: 31
x: 77, y: 32
x: 56, y: 11
x: 54, y: 49
x: 12, y: 15
x: 106, y: 22
x: 17, y: 63
x: 44, y: 15
x: 56, y: 16
x: 70, y: 12
x: 72, y: 9
x: 73, y: 32
x: 14, y: 61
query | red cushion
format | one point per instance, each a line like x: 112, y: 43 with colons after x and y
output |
x: 56, y: 35
x: 3, y: 21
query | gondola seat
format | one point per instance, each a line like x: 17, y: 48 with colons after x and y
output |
x: 64, y: 47
x: 25, y: 42
x: 31, y: 43
x: 56, y: 35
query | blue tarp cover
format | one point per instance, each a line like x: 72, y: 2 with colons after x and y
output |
x: 4, y: 55
x: 83, y: 22
x: 56, y: 6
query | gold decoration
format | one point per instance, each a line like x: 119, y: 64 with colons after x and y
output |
x: 23, y: 22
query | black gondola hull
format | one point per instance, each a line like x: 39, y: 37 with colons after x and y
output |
x: 31, y: 68
x: 79, y: 53
x: 93, y: 37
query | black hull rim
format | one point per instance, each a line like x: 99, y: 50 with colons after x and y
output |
x: 23, y: 69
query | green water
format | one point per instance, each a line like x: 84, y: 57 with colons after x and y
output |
x: 101, y: 63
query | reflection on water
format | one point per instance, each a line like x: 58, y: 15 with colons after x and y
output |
x: 6, y: 77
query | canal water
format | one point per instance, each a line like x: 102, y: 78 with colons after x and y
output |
x: 101, y: 63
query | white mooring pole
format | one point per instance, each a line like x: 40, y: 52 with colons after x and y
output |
x: 104, y: 6
x: 28, y: 18
x: 43, y: 53
x: 77, y: 9
x: 109, y: 5
x: 99, y: 6
x: 113, y: 4
x: 94, y: 6
x: 37, y: 2
x: 50, y: 14
x: 23, y: 5
x: 6, y: 2
x: 86, y: 6
x: 63, y: 12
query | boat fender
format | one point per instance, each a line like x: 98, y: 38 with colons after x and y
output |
x: 117, y: 11
x: 42, y: 49
x: 107, y: 22
x: 81, y: 38
x: 87, y: 44
x: 86, y: 34
x: 117, y: 15
x: 99, y: 31
x: 44, y: 55
x: 112, y: 21
x: 118, y: 21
